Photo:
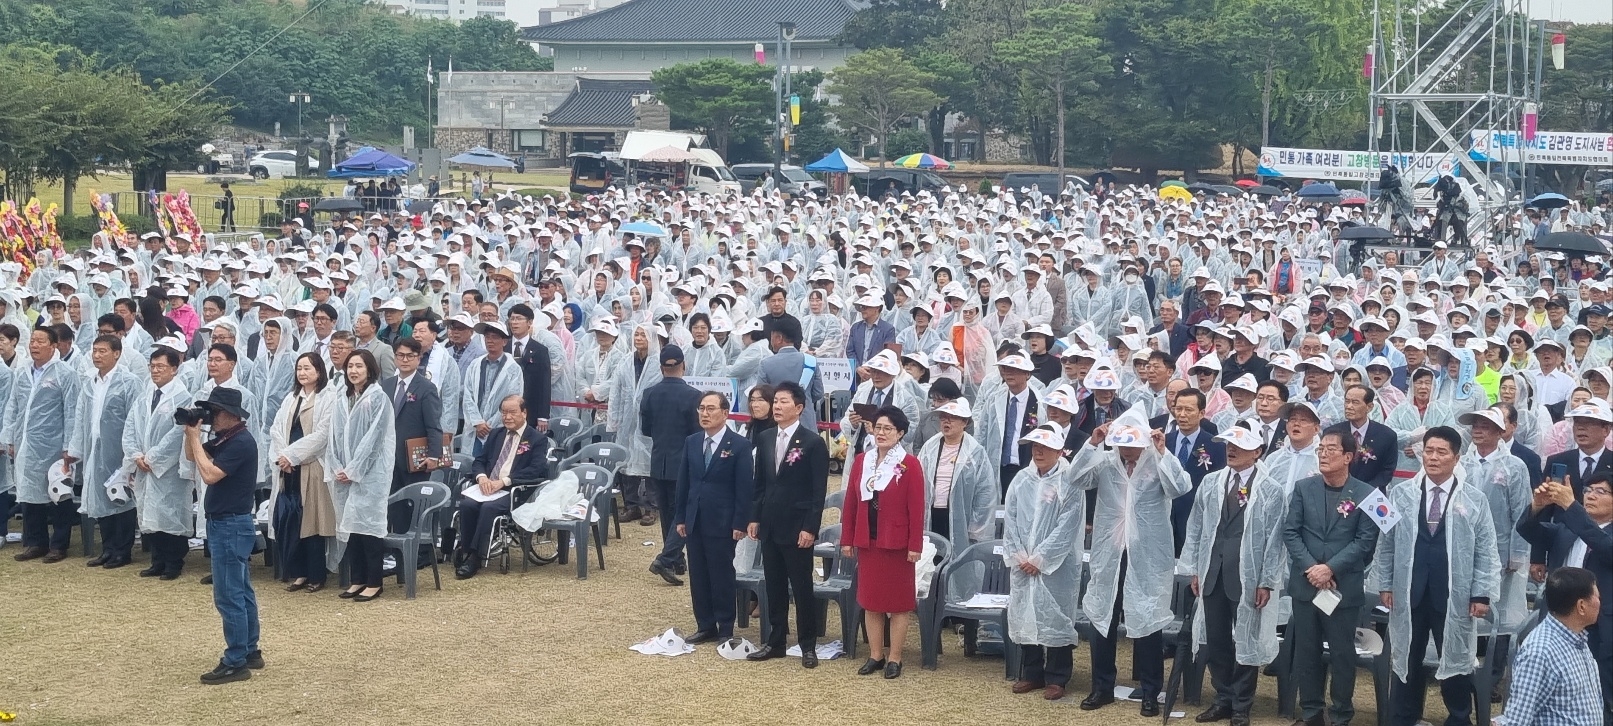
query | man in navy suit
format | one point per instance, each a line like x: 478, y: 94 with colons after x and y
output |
x: 1193, y: 443
x: 871, y: 334
x: 714, y: 500
x: 1530, y: 459
x: 515, y: 453
x: 1377, y: 453
x: 1572, y: 533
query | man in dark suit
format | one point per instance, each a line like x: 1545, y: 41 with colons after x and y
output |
x: 417, y: 408
x: 1171, y: 325
x: 536, y: 367
x: 792, y: 478
x: 1530, y: 459
x: 870, y: 335
x: 1377, y: 452
x: 715, y: 492
x: 1591, y: 423
x: 1327, y: 551
x: 667, y: 416
x: 1574, y: 534
x: 788, y: 364
x: 1192, y: 440
x: 514, y: 454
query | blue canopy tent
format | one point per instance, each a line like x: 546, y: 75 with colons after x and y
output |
x: 370, y: 162
x: 484, y: 158
x: 837, y: 162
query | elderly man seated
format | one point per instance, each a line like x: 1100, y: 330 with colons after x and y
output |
x: 514, y: 453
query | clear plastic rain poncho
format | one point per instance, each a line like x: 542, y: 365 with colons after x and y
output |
x: 563, y: 384
x: 162, y: 495
x: 1504, y: 480
x: 38, y: 419
x: 627, y: 391
x: 1043, y: 522
x: 96, y: 440
x: 1475, y: 570
x: 362, y: 438
x: 747, y: 366
x: 478, y: 408
x: 1460, y: 391
x: 1132, y: 519
x: 1533, y: 419
x: 7, y: 376
x: 277, y: 367
x: 705, y: 360
x: 1262, y: 557
x: 311, y: 447
x: 973, y: 497
x: 993, y: 408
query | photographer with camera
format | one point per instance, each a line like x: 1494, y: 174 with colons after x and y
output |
x: 228, y: 465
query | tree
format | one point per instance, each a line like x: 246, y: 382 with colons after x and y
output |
x: 1577, y: 98
x: 894, y: 24
x: 1056, y: 47
x: 726, y: 99
x: 878, y: 88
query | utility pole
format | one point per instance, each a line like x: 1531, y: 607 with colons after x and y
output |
x: 781, y: 90
x: 299, y: 98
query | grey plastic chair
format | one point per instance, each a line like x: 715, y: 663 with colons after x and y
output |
x: 589, y: 435
x: 839, y: 401
x: 594, y: 482
x: 752, y: 582
x: 608, y: 456
x: 562, y: 428
x: 929, y: 608
x: 839, y: 586
x: 427, y: 497
x: 835, y: 500
x: 994, y: 580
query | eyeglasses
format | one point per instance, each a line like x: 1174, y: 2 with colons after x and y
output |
x: 708, y: 409
x: 1330, y: 449
x: 884, y: 429
x: 406, y: 356
x: 1599, y: 491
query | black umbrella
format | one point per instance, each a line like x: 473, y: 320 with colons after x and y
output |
x: 506, y: 203
x: 338, y: 204
x: 419, y: 206
x: 1227, y: 189
x: 1266, y: 190
x: 1571, y: 242
x: 1197, y: 187
x: 1107, y: 177
x: 1366, y: 233
x: 1181, y: 662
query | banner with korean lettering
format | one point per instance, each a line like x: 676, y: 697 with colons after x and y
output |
x: 1289, y: 163
x: 1548, y: 147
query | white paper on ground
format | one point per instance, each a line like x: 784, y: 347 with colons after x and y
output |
x: 1326, y: 601
x: 826, y: 651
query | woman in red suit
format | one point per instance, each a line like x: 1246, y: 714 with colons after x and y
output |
x: 882, y: 525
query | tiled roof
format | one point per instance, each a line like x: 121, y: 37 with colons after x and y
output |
x: 700, y: 20
x: 599, y: 104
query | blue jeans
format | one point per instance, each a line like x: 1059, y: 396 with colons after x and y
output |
x: 229, y: 541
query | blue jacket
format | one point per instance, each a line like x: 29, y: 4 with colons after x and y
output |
x: 883, y: 335
x: 715, y: 500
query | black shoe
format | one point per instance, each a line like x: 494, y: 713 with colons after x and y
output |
x: 30, y: 553
x: 225, y: 674
x: 703, y: 636
x: 367, y: 598
x: 1214, y: 713
x: 871, y: 666
x: 254, y: 660
x: 97, y: 562
x: 169, y: 576
x: 681, y: 570
x: 206, y: 580
x: 1240, y: 719
x: 152, y: 571
x: 1150, y: 707
x: 114, y: 564
x: 465, y: 571
x: 766, y: 652
x: 1095, y: 700
x: 893, y: 670
x: 809, y: 656
x: 350, y: 594
x: 665, y: 574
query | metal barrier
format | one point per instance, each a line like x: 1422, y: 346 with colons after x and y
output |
x: 252, y: 214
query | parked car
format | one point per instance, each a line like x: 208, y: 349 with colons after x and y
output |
x: 273, y: 165
x: 879, y: 182
x: 793, y: 181
x: 1047, y: 183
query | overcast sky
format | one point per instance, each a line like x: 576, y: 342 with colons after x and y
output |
x: 1579, y: 11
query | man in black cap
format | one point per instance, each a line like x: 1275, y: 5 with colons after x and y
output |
x: 228, y: 464
x: 667, y: 415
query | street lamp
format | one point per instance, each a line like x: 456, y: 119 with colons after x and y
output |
x: 781, y: 90
x: 299, y: 98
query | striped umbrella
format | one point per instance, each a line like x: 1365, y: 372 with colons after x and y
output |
x: 923, y: 161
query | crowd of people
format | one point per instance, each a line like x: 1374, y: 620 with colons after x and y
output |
x: 1114, y: 388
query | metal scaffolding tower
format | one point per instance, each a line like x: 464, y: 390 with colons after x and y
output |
x: 1431, y: 86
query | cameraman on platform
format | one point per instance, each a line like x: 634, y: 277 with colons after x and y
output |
x: 228, y: 465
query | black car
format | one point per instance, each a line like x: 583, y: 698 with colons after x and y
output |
x: 1047, y: 183
x: 879, y: 182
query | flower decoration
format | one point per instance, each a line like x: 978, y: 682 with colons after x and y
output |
x: 1346, y: 507
x: 1366, y: 453
x: 793, y: 455
x: 522, y: 448
x: 409, y: 398
x: 725, y: 453
x: 1203, y: 457
x: 1243, y: 494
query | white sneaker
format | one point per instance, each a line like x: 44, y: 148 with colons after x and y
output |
x: 389, y: 563
x: 13, y: 537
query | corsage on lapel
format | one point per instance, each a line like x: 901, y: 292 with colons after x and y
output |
x: 408, y: 398
x: 522, y: 447
x: 793, y: 455
x: 725, y: 453
x: 1346, y: 507
x: 1202, y: 455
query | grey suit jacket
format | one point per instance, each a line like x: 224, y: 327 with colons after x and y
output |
x: 420, y: 416
x: 786, y: 365
x: 1318, y: 534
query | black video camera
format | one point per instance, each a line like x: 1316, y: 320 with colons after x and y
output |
x: 193, y: 416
